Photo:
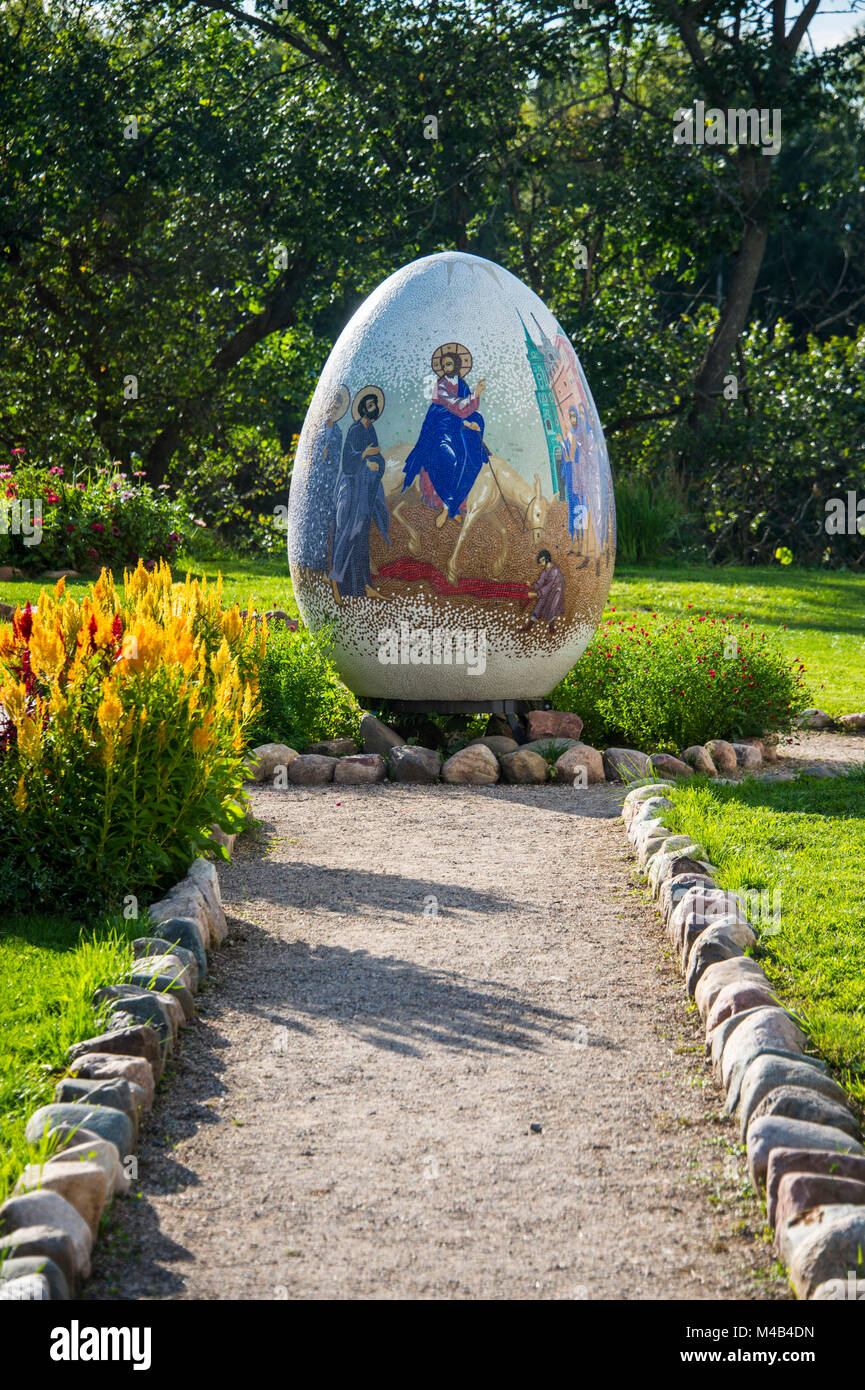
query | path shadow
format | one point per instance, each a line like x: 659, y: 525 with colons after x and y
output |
x: 393, y: 1003
x: 364, y: 892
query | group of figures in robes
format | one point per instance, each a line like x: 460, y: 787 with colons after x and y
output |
x: 583, y: 474
x: 345, y: 494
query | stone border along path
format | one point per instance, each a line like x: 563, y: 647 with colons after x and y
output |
x: 802, y: 1141
x: 418, y: 1075
x: 49, y: 1225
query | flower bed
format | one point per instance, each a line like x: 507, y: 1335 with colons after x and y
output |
x: 86, y: 519
x: 668, y: 685
x: 124, y: 723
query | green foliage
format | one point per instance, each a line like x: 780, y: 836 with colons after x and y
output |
x: 90, y: 518
x: 49, y: 970
x: 236, y: 489
x: 662, y: 686
x: 302, y: 698
x: 803, y: 841
x: 650, y: 519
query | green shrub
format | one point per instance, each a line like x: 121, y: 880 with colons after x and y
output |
x: 665, y: 686
x: 302, y: 697
x: 650, y: 518
x: 89, y: 518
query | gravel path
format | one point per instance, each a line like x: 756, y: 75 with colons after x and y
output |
x: 418, y: 979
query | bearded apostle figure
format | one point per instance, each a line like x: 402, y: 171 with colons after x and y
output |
x: 450, y: 450
x: 359, y: 500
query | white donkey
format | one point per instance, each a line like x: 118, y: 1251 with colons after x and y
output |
x: 498, y: 488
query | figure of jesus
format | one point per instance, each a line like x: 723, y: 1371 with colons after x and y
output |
x: 450, y: 449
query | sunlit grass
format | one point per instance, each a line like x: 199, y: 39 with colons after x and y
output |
x: 49, y: 970
x: 805, y: 839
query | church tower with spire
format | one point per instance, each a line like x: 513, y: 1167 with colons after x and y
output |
x: 542, y: 361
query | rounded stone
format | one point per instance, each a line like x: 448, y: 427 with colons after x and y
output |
x: 409, y: 763
x: 49, y: 1242
x: 670, y: 766
x: 102, y: 1120
x: 723, y: 756
x: 580, y: 763
x: 359, y: 769
x: 454, y: 456
x: 805, y: 1103
x: 187, y: 932
x: 700, y: 759
x: 26, y: 1266
x: 311, y: 770
x: 476, y: 766
x: 524, y: 767
x: 45, y: 1208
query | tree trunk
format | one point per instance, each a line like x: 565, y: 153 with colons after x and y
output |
x: 754, y: 174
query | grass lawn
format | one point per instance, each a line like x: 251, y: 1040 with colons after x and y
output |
x: 49, y: 969
x: 823, y: 613
x: 805, y: 839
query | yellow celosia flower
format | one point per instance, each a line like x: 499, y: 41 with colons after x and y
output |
x: 110, y: 712
x: 232, y: 624
x: 13, y: 698
x: 47, y: 652
x: 60, y: 588
x: 19, y: 796
x: 202, y: 737
x: 29, y: 737
x: 220, y: 664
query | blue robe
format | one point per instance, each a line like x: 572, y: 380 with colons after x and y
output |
x: 324, y: 457
x: 576, y: 498
x: 451, y: 454
x: 359, y: 502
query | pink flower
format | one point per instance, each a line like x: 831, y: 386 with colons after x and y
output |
x: 97, y: 526
x: 70, y: 527
x: 17, y: 452
x: 51, y: 497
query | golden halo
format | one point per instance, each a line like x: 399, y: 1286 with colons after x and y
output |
x: 367, y: 391
x: 339, y: 399
x: 456, y: 350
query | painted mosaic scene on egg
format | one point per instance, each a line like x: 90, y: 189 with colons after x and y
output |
x: 451, y: 511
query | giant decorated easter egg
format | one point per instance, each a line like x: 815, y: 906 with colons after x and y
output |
x: 451, y: 514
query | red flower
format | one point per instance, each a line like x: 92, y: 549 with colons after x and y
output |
x: 97, y: 526
x: 23, y: 626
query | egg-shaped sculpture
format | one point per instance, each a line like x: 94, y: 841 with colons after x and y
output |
x: 451, y: 512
